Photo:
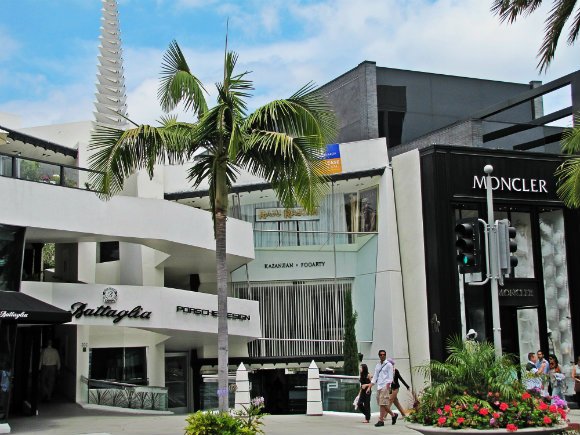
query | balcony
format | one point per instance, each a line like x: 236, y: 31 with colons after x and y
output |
x: 14, y: 166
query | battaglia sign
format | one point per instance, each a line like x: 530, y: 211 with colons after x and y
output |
x: 79, y: 309
x: 13, y: 315
x: 285, y: 214
x: 212, y: 313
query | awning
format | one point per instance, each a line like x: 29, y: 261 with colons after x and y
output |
x: 25, y: 309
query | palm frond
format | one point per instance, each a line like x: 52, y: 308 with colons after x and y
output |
x: 306, y: 113
x: 510, y: 10
x: 292, y: 164
x: 178, y: 84
x: 568, y: 173
x: 119, y: 153
x: 559, y: 14
x: 574, y: 29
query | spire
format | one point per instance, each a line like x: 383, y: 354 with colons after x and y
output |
x: 111, y: 104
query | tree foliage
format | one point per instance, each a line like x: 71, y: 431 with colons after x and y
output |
x: 561, y: 12
x: 350, y: 349
x: 282, y: 142
x: 568, y: 173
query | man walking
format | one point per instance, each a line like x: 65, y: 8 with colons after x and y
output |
x: 532, y: 381
x: 383, y: 378
x: 49, y: 366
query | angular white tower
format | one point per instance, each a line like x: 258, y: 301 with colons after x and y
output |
x: 111, y: 104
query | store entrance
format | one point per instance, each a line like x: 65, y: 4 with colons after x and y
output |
x: 26, y: 380
x: 284, y: 393
x: 519, y: 331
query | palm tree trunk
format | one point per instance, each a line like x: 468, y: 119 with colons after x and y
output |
x: 222, y: 291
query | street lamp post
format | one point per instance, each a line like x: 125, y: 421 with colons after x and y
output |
x: 493, y: 266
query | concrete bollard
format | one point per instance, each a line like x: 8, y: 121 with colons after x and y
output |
x: 242, y: 388
x: 313, y: 396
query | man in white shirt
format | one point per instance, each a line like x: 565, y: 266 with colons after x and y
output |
x: 383, y: 378
x: 49, y: 365
x: 532, y: 381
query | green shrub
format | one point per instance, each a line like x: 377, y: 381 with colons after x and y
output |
x: 210, y: 423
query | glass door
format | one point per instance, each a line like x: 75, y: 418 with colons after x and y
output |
x: 176, y: 381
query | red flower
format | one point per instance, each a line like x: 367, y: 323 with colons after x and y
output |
x: 562, y: 413
x: 460, y: 420
x: 511, y: 427
x: 543, y: 406
x: 547, y: 420
x: 439, y: 411
x: 553, y: 408
x: 489, y: 394
x: 526, y: 396
x: 503, y: 406
x: 447, y: 408
x: 496, y: 415
x: 484, y: 411
x: 475, y: 407
x: 441, y: 421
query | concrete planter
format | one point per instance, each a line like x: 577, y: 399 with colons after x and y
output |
x: 427, y: 430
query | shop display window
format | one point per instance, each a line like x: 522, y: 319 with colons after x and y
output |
x: 338, y: 215
x: 7, y: 343
x: 525, y: 254
x: 11, y: 251
x: 556, y: 290
x: 119, y: 364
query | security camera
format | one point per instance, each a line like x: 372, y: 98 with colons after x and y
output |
x: 471, y: 334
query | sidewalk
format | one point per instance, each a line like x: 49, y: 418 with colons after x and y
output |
x: 71, y: 419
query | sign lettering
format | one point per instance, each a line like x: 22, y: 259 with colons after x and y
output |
x: 79, y: 309
x: 13, y: 315
x: 511, y: 184
x: 212, y: 313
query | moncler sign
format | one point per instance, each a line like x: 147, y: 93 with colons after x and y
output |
x: 515, y: 184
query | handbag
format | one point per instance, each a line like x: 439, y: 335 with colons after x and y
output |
x: 355, y: 402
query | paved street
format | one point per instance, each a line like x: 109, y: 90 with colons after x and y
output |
x: 71, y: 419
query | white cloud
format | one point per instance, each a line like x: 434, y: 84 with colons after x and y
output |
x: 458, y: 37
x: 9, y: 45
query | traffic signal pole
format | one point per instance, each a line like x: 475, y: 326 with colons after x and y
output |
x: 493, y: 265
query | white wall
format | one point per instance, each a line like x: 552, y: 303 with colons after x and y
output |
x: 407, y: 179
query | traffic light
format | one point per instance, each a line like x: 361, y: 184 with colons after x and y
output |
x: 468, y: 245
x: 506, y: 245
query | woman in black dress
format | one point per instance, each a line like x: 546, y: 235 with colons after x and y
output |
x: 364, y: 402
x: 395, y: 389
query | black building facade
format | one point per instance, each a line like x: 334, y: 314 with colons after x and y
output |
x: 539, y: 300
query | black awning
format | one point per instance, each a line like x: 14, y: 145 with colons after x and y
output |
x: 25, y: 309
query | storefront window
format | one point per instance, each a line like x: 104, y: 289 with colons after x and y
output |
x: 338, y: 216
x: 525, y: 254
x: 7, y: 343
x: 557, y: 293
x: 11, y: 251
x: 120, y: 364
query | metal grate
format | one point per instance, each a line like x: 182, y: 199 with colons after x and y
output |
x: 298, y: 317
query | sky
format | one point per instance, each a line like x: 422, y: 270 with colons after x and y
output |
x: 49, y: 48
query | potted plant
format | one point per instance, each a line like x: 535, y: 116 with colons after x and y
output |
x: 475, y: 392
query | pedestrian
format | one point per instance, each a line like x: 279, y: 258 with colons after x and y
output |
x: 395, y: 388
x: 49, y: 366
x: 576, y: 377
x: 532, y: 380
x: 556, y: 378
x: 543, y: 367
x: 364, y: 402
x: 383, y: 378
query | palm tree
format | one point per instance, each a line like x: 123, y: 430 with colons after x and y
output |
x: 568, y: 173
x: 282, y: 142
x: 560, y: 13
